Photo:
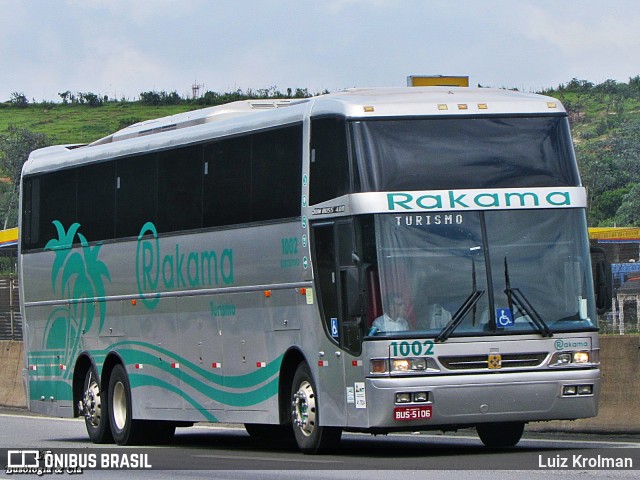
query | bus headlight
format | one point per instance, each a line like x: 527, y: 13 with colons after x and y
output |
x: 580, y: 357
x: 408, y: 364
x: 577, y: 358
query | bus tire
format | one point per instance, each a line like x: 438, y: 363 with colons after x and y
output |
x: 95, y: 410
x: 124, y: 429
x: 310, y: 436
x: 500, y: 435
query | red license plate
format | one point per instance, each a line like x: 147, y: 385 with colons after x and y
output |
x: 422, y: 412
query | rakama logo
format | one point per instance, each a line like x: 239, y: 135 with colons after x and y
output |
x: 562, y: 344
x: 455, y: 200
x: 173, y: 269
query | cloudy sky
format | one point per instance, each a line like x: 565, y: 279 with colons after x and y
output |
x: 120, y: 48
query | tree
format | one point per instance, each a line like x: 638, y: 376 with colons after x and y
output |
x: 19, y: 99
x: 15, y: 148
x: 629, y: 212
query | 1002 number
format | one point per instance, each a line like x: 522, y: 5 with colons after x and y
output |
x: 416, y: 348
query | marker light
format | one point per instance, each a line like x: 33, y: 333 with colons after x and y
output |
x: 378, y: 365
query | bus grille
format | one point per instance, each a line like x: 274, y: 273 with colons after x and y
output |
x: 509, y: 360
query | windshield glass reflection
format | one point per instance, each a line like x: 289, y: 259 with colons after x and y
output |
x: 483, y: 273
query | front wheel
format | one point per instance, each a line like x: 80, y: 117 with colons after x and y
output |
x: 125, y: 430
x: 500, y: 435
x: 94, y: 408
x: 310, y: 436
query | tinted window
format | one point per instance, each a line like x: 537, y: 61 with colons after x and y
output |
x: 96, y: 200
x: 136, y: 195
x: 437, y: 153
x: 180, y: 189
x: 329, y: 170
x: 276, y: 174
x: 249, y: 178
x: 227, y: 182
x: 57, y: 201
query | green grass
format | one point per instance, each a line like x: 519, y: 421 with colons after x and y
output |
x: 70, y: 124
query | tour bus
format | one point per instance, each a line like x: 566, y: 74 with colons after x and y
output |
x: 372, y: 260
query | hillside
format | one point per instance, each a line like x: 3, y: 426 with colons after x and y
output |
x: 604, y: 118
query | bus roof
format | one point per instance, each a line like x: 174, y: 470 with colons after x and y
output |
x: 244, y: 116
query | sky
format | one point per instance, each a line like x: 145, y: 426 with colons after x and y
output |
x: 121, y: 48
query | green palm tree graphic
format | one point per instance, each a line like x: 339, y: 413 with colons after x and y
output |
x: 79, y: 274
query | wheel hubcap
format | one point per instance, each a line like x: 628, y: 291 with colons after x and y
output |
x: 304, y: 408
x: 119, y: 405
x: 91, y: 404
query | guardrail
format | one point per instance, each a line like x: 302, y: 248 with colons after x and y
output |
x: 10, y: 317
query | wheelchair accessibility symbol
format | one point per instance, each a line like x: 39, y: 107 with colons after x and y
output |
x: 504, y: 318
x: 334, y: 328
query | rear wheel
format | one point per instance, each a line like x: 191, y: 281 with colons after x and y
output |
x: 94, y: 408
x: 310, y: 436
x: 500, y: 435
x: 125, y: 430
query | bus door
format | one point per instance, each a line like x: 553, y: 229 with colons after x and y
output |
x: 337, y: 283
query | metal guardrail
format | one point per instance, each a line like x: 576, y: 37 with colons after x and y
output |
x: 10, y: 318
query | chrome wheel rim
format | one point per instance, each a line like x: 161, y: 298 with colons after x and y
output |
x: 92, y: 403
x: 119, y: 406
x: 304, y: 409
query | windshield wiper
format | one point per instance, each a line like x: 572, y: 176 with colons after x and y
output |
x: 515, y: 296
x: 457, y: 318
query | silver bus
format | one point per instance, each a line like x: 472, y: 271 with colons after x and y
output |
x: 373, y: 260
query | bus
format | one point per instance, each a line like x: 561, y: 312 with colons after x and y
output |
x: 373, y: 260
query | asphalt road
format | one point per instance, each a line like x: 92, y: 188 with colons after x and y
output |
x: 213, y: 451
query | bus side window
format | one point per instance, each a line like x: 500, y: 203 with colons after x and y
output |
x: 329, y: 159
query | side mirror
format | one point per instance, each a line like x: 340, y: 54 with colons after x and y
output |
x: 602, y: 281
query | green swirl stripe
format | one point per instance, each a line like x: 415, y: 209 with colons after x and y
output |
x: 248, y: 380
x: 141, y: 380
x: 236, y: 399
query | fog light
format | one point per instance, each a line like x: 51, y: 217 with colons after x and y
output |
x: 420, y: 397
x: 569, y: 390
x: 378, y: 365
x: 403, y: 397
x: 585, y: 389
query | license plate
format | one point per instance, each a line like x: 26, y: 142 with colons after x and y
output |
x: 422, y: 412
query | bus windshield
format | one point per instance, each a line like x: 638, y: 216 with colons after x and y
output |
x: 483, y: 273
x: 431, y: 154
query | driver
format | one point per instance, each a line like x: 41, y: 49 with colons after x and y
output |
x: 396, y: 318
